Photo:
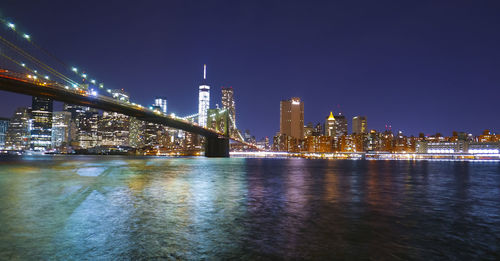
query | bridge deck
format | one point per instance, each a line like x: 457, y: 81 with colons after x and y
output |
x: 15, y: 82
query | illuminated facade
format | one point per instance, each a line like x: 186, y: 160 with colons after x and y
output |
x: 340, y: 125
x: 4, y: 125
x: 292, y: 118
x: 18, y: 133
x: 229, y: 105
x: 162, y: 103
x: 136, y: 132
x: 203, y: 100
x: 330, y: 125
x: 84, y: 126
x: 41, y: 128
x: 61, y: 125
x: 359, y: 125
x: 114, y: 129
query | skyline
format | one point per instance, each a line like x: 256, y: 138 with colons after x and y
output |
x: 439, y: 100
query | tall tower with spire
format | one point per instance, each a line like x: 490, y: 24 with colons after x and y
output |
x: 203, y: 99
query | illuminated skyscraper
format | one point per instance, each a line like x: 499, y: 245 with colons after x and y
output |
x: 359, y: 125
x: 292, y: 118
x: 340, y: 125
x: 4, y: 125
x: 203, y: 100
x: 61, y: 122
x: 228, y: 102
x: 18, y: 133
x: 162, y: 103
x: 41, y: 129
x: 330, y: 125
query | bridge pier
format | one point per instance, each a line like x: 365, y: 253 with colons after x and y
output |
x: 217, y: 147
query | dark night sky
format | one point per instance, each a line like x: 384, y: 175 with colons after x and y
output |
x: 421, y: 66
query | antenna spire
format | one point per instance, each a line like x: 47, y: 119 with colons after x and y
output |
x: 204, y: 72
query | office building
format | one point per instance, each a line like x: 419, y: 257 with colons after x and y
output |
x: 330, y: 126
x: 61, y: 126
x: 203, y: 100
x: 4, y: 125
x: 228, y: 104
x: 359, y: 125
x: 292, y: 118
x: 18, y: 132
x: 340, y: 125
x: 114, y: 129
x: 136, y: 132
x: 41, y: 129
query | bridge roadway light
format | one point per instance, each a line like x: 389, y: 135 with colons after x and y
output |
x: 27, y: 36
x: 92, y: 81
x: 11, y: 26
x: 23, y: 64
x: 74, y: 69
x: 84, y: 75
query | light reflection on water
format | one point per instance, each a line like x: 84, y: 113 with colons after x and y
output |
x: 69, y: 207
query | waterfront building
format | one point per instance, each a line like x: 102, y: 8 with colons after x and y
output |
x: 441, y: 147
x: 114, y: 129
x: 4, y: 125
x: 18, y: 132
x: 318, y: 144
x: 61, y: 125
x: 41, y: 129
x: 152, y: 134
x: 346, y: 143
x: 292, y: 118
x: 229, y: 104
x: 136, y: 132
x: 203, y: 99
x: 402, y: 143
x: 161, y: 102
x: 283, y: 142
x: 359, y: 125
x: 483, y: 147
x: 87, y: 125
x: 360, y: 142
x: 374, y: 141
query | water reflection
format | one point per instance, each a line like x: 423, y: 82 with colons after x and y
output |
x: 197, y: 208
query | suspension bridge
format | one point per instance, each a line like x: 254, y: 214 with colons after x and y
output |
x: 22, y: 72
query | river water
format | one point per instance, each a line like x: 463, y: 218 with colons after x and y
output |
x: 113, y: 207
